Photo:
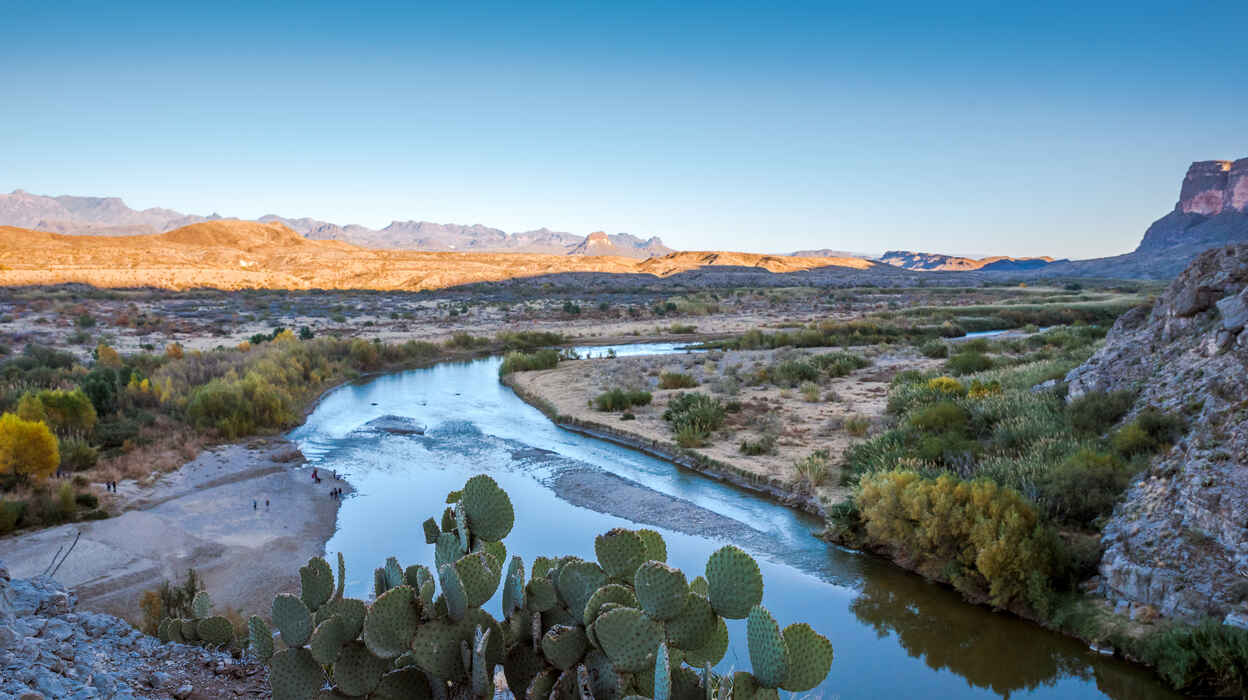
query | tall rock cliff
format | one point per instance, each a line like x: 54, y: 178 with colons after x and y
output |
x: 1212, y: 208
x: 1179, y: 542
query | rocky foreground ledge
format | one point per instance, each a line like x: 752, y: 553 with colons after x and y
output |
x: 49, y: 650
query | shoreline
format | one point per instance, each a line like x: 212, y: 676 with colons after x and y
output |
x: 769, y: 487
x: 198, y: 516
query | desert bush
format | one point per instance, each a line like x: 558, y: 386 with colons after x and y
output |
x: 1097, y: 411
x: 814, y: 467
x: 934, y: 349
x: 694, y: 416
x: 986, y: 540
x: 810, y: 392
x: 527, y: 340
x: 857, y: 426
x: 765, y: 445
x: 946, y: 385
x: 676, y: 380
x: 28, y: 450
x: 529, y: 361
x: 620, y: 399
x: 790, y: 373
x: 968, y: 362
x: 1084, y: 487
x: 77, y: 454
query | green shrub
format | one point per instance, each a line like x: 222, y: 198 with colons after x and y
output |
x: 676, y: 380
x: 968, y: 362
x: 810, y: 392
x: 814, y: 467
x: 527, y: 361
x: 790, y: 373
x: 87, y: 500
x: 986, y: 540
x: 857, y: 426
x: 621, y: 399
x: 934, y: 349
x: 763, y: 446
x: 943, y: 417
x: 693, y: 417
x: 1084, y: 488
x: 77, y: 454
x: 1097, y: 411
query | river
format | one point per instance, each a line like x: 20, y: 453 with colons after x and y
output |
x: 894, y: 634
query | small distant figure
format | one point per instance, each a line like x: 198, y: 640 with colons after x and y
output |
x: 254, y: 506
x: 266, y: 504
x: 315, y: 476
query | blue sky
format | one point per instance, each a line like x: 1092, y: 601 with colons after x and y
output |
x: 983, y: 127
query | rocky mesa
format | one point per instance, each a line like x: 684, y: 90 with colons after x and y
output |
x: 1179, y: 543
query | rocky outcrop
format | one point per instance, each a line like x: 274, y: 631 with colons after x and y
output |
x: 49, y: 650
x: 1179, y: 541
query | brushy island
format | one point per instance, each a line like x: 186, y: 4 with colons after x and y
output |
x: 627, y: 626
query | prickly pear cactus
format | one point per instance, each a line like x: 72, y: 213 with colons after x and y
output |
x: 625, y: 626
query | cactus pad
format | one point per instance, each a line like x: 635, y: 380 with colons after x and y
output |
x: 431, y: 531
x: 215, y: 631
x: 695, y: 624
x: 162, y: 630
x: 606, y: 683
x: 656, y: 548
x: 768, y: 654
x: 540, y: 595
x: 610, y: 593
x: 521, y: 666
x: 661, y: 590
x: 542, y: 567
x: 391, y: 622
x: 810, y: 657
x: 577, y: 582
x: 513, y: 587
x: 628, y: 637
x: 295, y: 675
x: 564, y: 646
x: 394, y: 573
x: 662, y: 675
x: 357, y: 671
x: 620, y: 552
x: 713, y: 651
x: 447, y: 550
x: 699, y: 586
x: 201, y: 604
x: 175, y: 631
x: 189, y: 633
x: 479, y: 577
x: 352, y: 612
x: 328, y: 639
x: 496, y: 550
x: 746, y: 687
x: 734, y: 582
x: 379, y: 582
x: 488, y: 507
x: 403, y: 684
x: 453, y: 594
x: 436, y: 649
x: 342, y: 577
x: 316, y: 583
x: 416, y: 575
x: 259, y: 638
x: 541, y: 686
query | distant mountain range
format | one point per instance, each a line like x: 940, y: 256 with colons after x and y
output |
x: 109, y: 216
x: 952, y: 263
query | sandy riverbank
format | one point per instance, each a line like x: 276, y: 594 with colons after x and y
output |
x: 200, y: 516
x: 803, y: 426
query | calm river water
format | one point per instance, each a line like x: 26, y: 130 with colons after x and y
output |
x: 894, y: 634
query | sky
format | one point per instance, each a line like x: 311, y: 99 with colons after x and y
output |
x: 1047, y: 128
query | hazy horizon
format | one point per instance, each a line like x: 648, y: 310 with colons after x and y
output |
x: 1060, y: 130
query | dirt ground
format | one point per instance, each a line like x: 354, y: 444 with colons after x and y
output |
x: 200, y: 516
x: 801, y: 427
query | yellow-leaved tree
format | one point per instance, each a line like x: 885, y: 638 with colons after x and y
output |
x: 27, y: 448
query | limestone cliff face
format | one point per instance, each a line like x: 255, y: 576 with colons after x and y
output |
x: 1212, y: 207
x: 1214, y: 186
x: 1179, y: 542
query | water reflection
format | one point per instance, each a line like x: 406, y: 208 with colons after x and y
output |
x: 894, y: 634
